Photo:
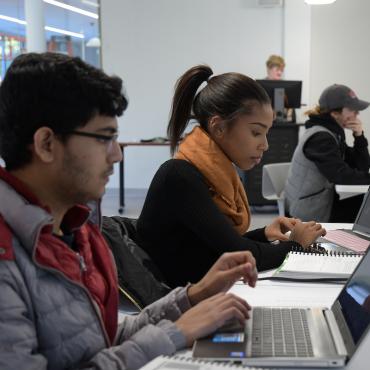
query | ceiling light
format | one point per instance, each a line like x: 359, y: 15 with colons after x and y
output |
x: 11, y: 19
x: 47, y: 28
x: 319, y: 2
x: 72, y: 8
x: 65, y: 32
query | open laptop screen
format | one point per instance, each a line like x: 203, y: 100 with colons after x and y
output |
x: 354, y: 300
x: 362, y: 222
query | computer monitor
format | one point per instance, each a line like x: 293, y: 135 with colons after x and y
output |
x: 283, y: 94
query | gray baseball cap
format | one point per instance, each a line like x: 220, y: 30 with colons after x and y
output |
x: 340, y: 96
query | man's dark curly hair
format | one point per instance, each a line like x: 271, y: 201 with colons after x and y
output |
x: 52, y: 90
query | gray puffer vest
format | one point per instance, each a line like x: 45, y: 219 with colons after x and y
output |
x: 49, y: 322
x: 308, y: 194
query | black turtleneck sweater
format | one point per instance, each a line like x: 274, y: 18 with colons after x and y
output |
x: 340, y: 164
x: 184, y: 232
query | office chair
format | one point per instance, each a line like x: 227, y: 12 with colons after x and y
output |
x: 274, y: 176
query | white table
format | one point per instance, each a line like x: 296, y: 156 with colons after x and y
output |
x: 347, y: 191
x: 273, y: 293
x: 277, y: 293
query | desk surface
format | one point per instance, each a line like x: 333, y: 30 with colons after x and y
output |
x: 275, y: 293
x: 347, y: 191
x: 282, y: 293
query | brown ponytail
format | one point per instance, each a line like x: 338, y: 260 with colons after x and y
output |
x: 228, y: 95
x: 185, y: 90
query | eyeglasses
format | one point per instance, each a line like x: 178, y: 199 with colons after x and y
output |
x: 108, y: 140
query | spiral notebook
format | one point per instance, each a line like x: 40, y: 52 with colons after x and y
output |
x: 189, y: 363
x: 299, y: 266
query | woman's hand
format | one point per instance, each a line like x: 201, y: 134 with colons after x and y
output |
x: 279, y: 227
x: 355, y: 125
x: 210, y: 314
x: 228, y: 269
x: 305, y: 233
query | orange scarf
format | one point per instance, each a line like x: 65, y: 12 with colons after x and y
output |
x: 224, y: 183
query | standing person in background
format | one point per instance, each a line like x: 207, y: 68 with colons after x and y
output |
x: 196, y: 207
x: 58, y: 281
x: 323, y: 159
x: 275, y: 65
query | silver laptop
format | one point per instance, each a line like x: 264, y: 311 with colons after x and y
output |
x: 356, y: 240
x: 298, y: 337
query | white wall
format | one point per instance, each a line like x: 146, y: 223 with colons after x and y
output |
x: 151, y: 43
x: 340, y: 52
x: 296, y: 38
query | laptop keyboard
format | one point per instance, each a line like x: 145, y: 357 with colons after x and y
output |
x: 280, y: 332
x: 347, y: 240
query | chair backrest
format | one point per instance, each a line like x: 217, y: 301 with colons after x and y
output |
x: 139, y: 278
x: 274, y: 176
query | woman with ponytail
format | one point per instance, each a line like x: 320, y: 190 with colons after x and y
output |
x: 196, y: 207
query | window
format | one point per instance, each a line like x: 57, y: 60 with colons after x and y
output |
x: 12, y: 32
x: 80, y: 18
x: 71, y: 27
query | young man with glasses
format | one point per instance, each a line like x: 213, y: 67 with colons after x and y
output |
x: 58, y: 283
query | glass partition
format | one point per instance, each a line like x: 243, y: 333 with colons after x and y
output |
x: 71, y: 27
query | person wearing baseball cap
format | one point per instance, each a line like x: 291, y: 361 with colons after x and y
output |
x: 323, y: 159
x: 336, y: 97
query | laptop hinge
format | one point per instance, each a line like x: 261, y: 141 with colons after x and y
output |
x: 335, y: 333
x: 363, y: 234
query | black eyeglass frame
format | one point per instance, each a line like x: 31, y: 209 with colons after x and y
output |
x: 105, y: 138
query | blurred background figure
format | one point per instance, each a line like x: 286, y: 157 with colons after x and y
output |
x: 323, y: 159
x: 275, y: 65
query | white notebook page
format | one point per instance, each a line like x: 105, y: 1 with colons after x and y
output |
x: 302, y: 262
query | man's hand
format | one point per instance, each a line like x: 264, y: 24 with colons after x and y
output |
x: 305, y: 233
x: 210, y: 314
x: 228, y: 269
x: 355, y: 125
x: 279, y: 227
